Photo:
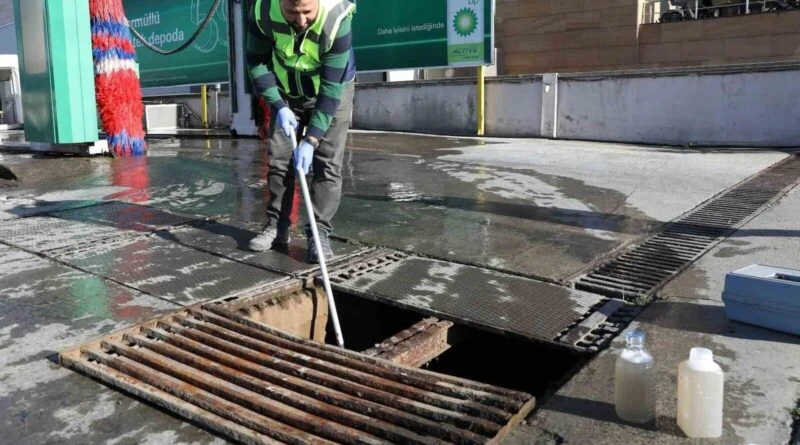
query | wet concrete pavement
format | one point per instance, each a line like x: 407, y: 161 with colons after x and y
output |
x: 761, y: 366
x: 543, y: 208
x: 536, y: 208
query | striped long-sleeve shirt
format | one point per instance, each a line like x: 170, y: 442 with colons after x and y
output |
x: 338, y: 68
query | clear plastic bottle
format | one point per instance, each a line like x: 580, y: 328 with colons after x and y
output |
x: 634, y: 381
x: 701, y: 385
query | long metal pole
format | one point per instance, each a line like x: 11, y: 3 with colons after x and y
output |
x: 242, y: 122
x: 217, y: 87
x: 320, y: 254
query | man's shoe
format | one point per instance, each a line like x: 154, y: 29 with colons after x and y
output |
x: 268, y: 237
x: 325, y: 242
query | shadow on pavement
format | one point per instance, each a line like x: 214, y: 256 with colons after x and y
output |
x: 708, y: 319
x: 604, y: 412
x: 571, y: 217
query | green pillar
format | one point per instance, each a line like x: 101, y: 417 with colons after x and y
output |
x: 56, y: 71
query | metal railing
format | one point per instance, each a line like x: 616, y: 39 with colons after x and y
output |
x: 666, y: 11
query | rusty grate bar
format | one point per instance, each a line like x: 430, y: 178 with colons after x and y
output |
x: 257, y: 385
x: 641, y: 271
x: 416, y: 345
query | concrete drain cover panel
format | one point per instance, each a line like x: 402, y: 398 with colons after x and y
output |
x: 230, y: 239
x: 474, y: 296
x: 257, y: 385
x: 166, y: 269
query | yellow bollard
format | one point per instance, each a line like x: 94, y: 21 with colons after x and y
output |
x: 204, y: 105
x: 481, y: 100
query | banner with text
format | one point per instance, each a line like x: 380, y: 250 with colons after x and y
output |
x: 403, y: 34
x: 167, y: 25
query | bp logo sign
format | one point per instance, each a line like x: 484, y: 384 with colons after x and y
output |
x: 465, y: 22
x: 465, y: 32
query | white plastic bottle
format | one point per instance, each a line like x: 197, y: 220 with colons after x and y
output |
x: 700, y: 395
x: 634, y: 381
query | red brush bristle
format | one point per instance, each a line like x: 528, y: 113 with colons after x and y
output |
x: 119, y: 97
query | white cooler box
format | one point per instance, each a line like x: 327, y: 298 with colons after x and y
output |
x: 764, y: 296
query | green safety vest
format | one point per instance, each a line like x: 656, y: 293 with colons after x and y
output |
x: 289, y: 66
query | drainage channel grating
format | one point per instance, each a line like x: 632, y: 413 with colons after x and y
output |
x: 639, y: 272
x: 257, y: 385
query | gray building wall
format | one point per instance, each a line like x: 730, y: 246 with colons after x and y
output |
x: 8, y: 39
x: 735, y: 108
x: 745, y: 106
x: 8, y: 34
x: 6, y: 12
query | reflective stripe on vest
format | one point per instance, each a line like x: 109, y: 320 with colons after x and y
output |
x: 288, y: 66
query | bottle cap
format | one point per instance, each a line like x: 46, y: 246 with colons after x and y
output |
x: 635, y: 337
x: 701, y: 356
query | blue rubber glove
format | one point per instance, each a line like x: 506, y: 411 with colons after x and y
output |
x: 287, y: 122
x: 303, y: 155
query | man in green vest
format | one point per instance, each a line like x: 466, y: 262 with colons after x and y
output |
x: 300, y: 58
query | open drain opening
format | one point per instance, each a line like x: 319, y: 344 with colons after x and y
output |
x: 534, y: 368
x: 470, y: 353
x: 538, y: 370
x: 366, y: 323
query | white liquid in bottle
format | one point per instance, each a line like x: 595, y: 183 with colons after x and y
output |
x: 634, y: 381
x: 700, y: 395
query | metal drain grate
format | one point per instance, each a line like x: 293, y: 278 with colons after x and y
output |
x: 598, y: 329
x: 257, y: 385
x: 639, y: 272
x: 169, y: 270
x: 45, y: 233
x: 468, y: 295
x: 230, y: 239
x: 125, y: 216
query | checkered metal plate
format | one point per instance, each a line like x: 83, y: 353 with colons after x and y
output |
x: 44, y: 233
x: 126, y: 216
x: 230, y: 239
x: 469, y: 295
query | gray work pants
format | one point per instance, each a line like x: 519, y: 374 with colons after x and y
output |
x: 326, y: 184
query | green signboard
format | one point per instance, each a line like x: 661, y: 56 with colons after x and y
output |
x: 167, y: 24
x: 403, y: 34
